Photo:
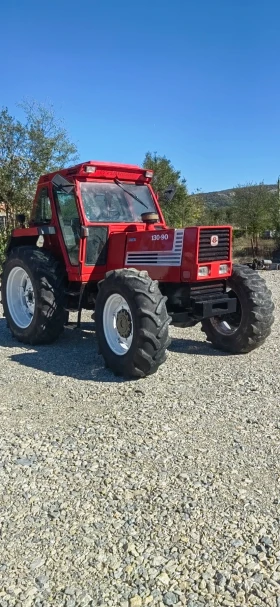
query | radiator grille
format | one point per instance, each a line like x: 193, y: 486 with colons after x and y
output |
x: 208, y: 250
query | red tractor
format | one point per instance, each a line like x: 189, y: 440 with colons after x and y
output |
x: 97, y: 240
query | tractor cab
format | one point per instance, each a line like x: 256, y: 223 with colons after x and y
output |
x: 77, y: 209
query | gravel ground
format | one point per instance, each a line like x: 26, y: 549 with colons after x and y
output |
x: 163, y: 491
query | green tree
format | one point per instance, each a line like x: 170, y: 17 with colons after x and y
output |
x: 28, y: 149
x: 229, y: 215
x: 215, y: 216
x: 183, y: 209
x: 253, y: 209
x: 275, y: 224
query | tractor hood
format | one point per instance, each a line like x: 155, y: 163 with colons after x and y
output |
x: 175, y: 255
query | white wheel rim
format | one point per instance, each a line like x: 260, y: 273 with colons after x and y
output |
x: 223, y: 326
x: 118, y: 324
x: 228, y: 325
x: 20, y: 297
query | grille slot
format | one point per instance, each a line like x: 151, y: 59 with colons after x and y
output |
x: 208, y: 252
x: 206, y: 291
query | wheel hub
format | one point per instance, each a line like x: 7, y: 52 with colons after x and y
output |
x: 123, y: 323
x: 28, y: 294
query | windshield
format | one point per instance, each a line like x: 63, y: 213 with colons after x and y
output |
x: 107, y: 202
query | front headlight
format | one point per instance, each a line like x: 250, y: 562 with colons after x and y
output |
x: 203, y: 271
x: 224, y: 268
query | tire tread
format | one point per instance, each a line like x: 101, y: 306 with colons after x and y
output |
x: 260, y: 308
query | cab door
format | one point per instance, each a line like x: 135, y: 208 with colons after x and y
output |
x: 70, y: 225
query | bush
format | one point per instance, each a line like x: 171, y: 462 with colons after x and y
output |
x: 238, y: 233
x: 3, y: 243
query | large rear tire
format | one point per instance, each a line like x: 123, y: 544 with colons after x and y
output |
x: 250, y: 325
x: 131, y: 323
x: 33, y: 292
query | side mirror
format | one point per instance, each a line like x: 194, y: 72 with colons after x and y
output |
x: 20, y: 218
x: 62, y: 184
x: 169, y: 193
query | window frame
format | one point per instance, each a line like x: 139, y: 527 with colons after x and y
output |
x: 55, y: 196
x: 128, y: 199
x: 39, y: 222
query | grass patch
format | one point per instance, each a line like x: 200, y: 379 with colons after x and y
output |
x: 242, y: 249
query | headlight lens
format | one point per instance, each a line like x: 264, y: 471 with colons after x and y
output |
x: 203, y: 271
x: 224, y: 268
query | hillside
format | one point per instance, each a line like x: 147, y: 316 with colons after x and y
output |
x: 224, y: 198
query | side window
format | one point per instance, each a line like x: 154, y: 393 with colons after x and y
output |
x: 69, y: 222
x: 42, y: 212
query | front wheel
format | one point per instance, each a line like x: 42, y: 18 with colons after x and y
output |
x: 250, y: 325
x: 131, y: 323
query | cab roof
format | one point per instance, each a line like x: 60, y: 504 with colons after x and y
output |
x: 95, y: 169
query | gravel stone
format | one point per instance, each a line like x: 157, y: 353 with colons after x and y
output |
x: 237, y: 543
x: 267, y: 541
x: 42, y: 580
x: 220, y: 579
x: 136, y: 601
x: 37, y: 563
x: 164, y: 579
x: 169, y: 598
x: 160, y: 492
x: 253, y: 551
x: 70, y: 591
x: 24, y: 461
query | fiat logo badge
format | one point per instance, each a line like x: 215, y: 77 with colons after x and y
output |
x: 214, y: 240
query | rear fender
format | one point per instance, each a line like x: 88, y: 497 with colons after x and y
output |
x: 20, y: 241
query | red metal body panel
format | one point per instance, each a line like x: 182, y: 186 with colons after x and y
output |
x: 152, y: 240
x: 116, y: 250
x: 22, y: 232
x: 157, y: 251
x: 189, y: 257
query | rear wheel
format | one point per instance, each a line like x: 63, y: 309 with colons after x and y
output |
x: 250, y: 325
x: 33, y: 288
x: 131, y: 323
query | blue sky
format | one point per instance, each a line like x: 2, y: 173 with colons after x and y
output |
x: 195, y: 80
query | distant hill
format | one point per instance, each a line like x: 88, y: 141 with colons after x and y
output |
x: 224, y: 198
